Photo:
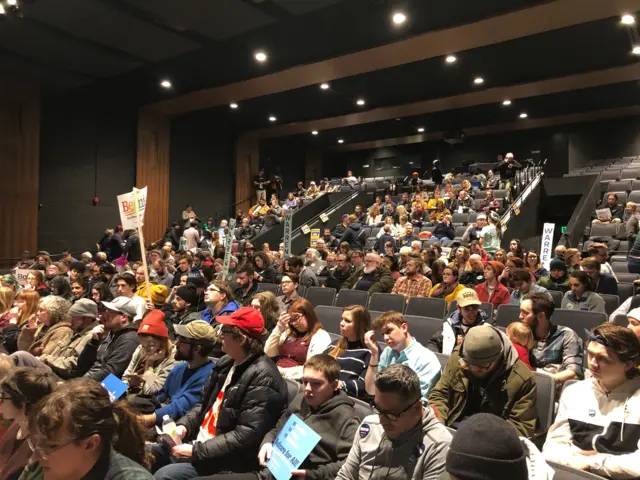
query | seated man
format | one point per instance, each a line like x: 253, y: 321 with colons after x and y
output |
x: 325, y: 409
x: 112, y: 344
x: 484, y: 374
x: 372, y: 277
x: 403, y: 440
x: 306, y: 276
x: 413, y: 284
x: 223, y: 433
x: 218, y: 297
x: 341, y: 273
x: 605, y: 284
x: 557, y: 279
x: 247, y: 286
x: 557, y: 349
x: 401, y: 348
x: 597, y: 428
x: 409, y: 237
x: 473, y: 230
x: 455, y: 327
x: 523, y: 285
x: 600, y: 251
x: 181, y: 391
x: 475, y: 276
x: 616, y: 209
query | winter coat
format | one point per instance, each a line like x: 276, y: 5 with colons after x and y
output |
x: 63, y: 359
x: 510, y: 392
x: 335, y: 421
x: 153, y: 379
x: 112, y: 355
x: 452, y: 333
x: 382, y: 280
x: 43, y: 342
x: 353, y: 236
x: 500, y: 295
x: 253, y: 402
x: 442, y: 230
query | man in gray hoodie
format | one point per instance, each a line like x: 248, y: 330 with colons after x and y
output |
x: 403, y: 440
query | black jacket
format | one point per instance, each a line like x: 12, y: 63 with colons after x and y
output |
x: 268, y: 275
x: 607, y: 285
x: 132, y: 248
x: 471, y: 278
x: 353, y: 236
x: 337, y: 278
x: 444, y: 230
x: 335, y: 421
x: 113, y: 355
x: 384, y: 238
x: 253, y: 402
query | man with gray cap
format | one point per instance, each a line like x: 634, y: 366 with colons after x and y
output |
x: 485, y: 375
x: 112, y: 342
x: 63, y: 360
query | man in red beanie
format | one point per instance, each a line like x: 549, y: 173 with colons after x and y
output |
x: 223, y: 434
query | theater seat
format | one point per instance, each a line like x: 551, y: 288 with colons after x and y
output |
x: 611, y: 302
x: 545, y: 400
x: 577, y: 320
x: 352, y: 297
x: 321, y: 296
x: 507, y: 314
x: 426, y: 307
x: 423, y: 328
x: 383, y: 302
x: 330, y: 317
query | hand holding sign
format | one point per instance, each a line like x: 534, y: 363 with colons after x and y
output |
x: 292, y: 446
x: 265, y: 454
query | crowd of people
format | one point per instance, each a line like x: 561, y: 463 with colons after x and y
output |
x: 214, y: 355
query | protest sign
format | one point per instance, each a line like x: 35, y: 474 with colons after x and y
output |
x: 546, y: 248
x: 292, y: 446
x: 288, y: 217
x: 114, y: 386
x: 21, y: 275
x: 315, y: 236
x: 132, y: 206
x: 228, y: 243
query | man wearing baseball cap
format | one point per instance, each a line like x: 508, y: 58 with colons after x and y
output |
x: 455, y: 327
x: 112, y: 342
x: 484, y: 374
x: 223, y: 433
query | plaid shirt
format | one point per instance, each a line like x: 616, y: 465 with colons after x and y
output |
x: 418, y: 286
x: 562, y: 348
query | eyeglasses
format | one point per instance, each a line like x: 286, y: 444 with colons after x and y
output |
x: 43, y: 454
x: 393, y: 416
x: 295, y: 318
x: 188, y: 340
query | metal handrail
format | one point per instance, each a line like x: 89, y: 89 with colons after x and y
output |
x: 533, y: 176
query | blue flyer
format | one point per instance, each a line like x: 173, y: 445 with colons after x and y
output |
x: 292, y: 446
x: 114, y: 386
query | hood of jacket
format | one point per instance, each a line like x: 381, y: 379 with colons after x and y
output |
x: 455, y: 320
x: 355, y: 226
x: 509, y: 353
x: 340, y: 398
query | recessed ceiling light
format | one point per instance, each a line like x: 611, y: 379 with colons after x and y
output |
x: 340, y: 140
x: 506, y: 103
x: 165, y: 84
x: 628, y: 19
x: 272, y: 118
x: 360, y: 102
x: 12, y: 3
x: 324, y: 86
x: 315, y: 132
x: 478, y: 80
x: 451, y: 59
x: 2, y: 12
x: 636, y: 50
x: 233, y: 105
x: 260, y: 56
x: 399, y: 18
x: 421, y: 129
x: 523, y: 115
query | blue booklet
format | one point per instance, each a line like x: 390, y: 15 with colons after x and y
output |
x: 292, y: 446
x: 114, y: 386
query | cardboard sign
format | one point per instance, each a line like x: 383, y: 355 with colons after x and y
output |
x: 324, y: 217
x: 305, y: 229
x: 603, y: 213
x: 228, y: 242
x: 132, y: 206
x: 114, y: 386
x: 546, y: 249
x: 292, y: 446
x: 315, y: 236
x: 21, y: 275
x: 288, y: 217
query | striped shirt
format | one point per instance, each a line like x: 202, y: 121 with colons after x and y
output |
x: 354, y: 362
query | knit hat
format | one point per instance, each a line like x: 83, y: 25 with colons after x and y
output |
x: 482, y: 345
x: 188, y: 294
x: 153, y: 324
x: 247, y: 319
x: 635, y: 314
x: 486, y: 447
x: 497, y: 267
x: 159, y: 293
x: 84, y: 308
x: 557, y: 264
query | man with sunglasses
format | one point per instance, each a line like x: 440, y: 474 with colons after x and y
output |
x: 597, y: 428
x: 403, y: 440
x: 454, y: 328
x: 485, y: 375
x: 181, y: 390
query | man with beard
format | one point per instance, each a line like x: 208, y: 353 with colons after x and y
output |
x: 185, y: 306
x: 475, y: 276
x: 181, y: 390
x: 557, y: 279
x: 373, y: 277
x: 558, y: 350
x: 340, y: 274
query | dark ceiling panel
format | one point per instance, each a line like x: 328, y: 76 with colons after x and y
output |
x: 300, y: 7
x: 95, y: 21
x: 219, y: 19
x: 31, y: 42
x: 50, y: 78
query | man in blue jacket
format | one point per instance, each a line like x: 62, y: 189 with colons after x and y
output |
x: 181, y: 391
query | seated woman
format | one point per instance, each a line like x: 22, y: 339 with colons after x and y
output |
x: 388, y: 221
x: 151, y: 362
x: 572, y: 259
x: 50, y: 329
x: 444, y: 230
x: 21, y: 390
x: 6, y: 303
x: 374, y: 217
x: 313, y: 191
x: 419, y: 217
x: 351, y: 352
x: 79, y: 289
x: 24, y: 311
x: 267, y: 304
x: 581, y: 296
x: 534, y: 266
x: 77, y: 433
x: 489, y: 202
x: 432, y: 204
x: 290, y: 202
x: 35, y: 282
x: 263, y: 271
x: 101, y: 293
x: 439, y: 213
x: 449, y: 288
x: 297, y: 336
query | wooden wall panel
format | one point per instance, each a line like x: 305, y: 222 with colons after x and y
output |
x: 19, y: 166
x: 247, y: 161
x: 152, y: 171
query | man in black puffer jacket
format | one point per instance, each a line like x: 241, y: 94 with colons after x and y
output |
x: 353, y: 234
x: 241, y: 402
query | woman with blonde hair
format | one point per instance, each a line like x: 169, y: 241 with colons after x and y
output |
x: 6, y: 302
x: 267, y: 304
x: 572, y: 259
x: 374, y: 217
x: 51, y: 329
x: 25, y: 312
x: 297, y: 336
x: 461, y: 257
x: 350, y: 351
